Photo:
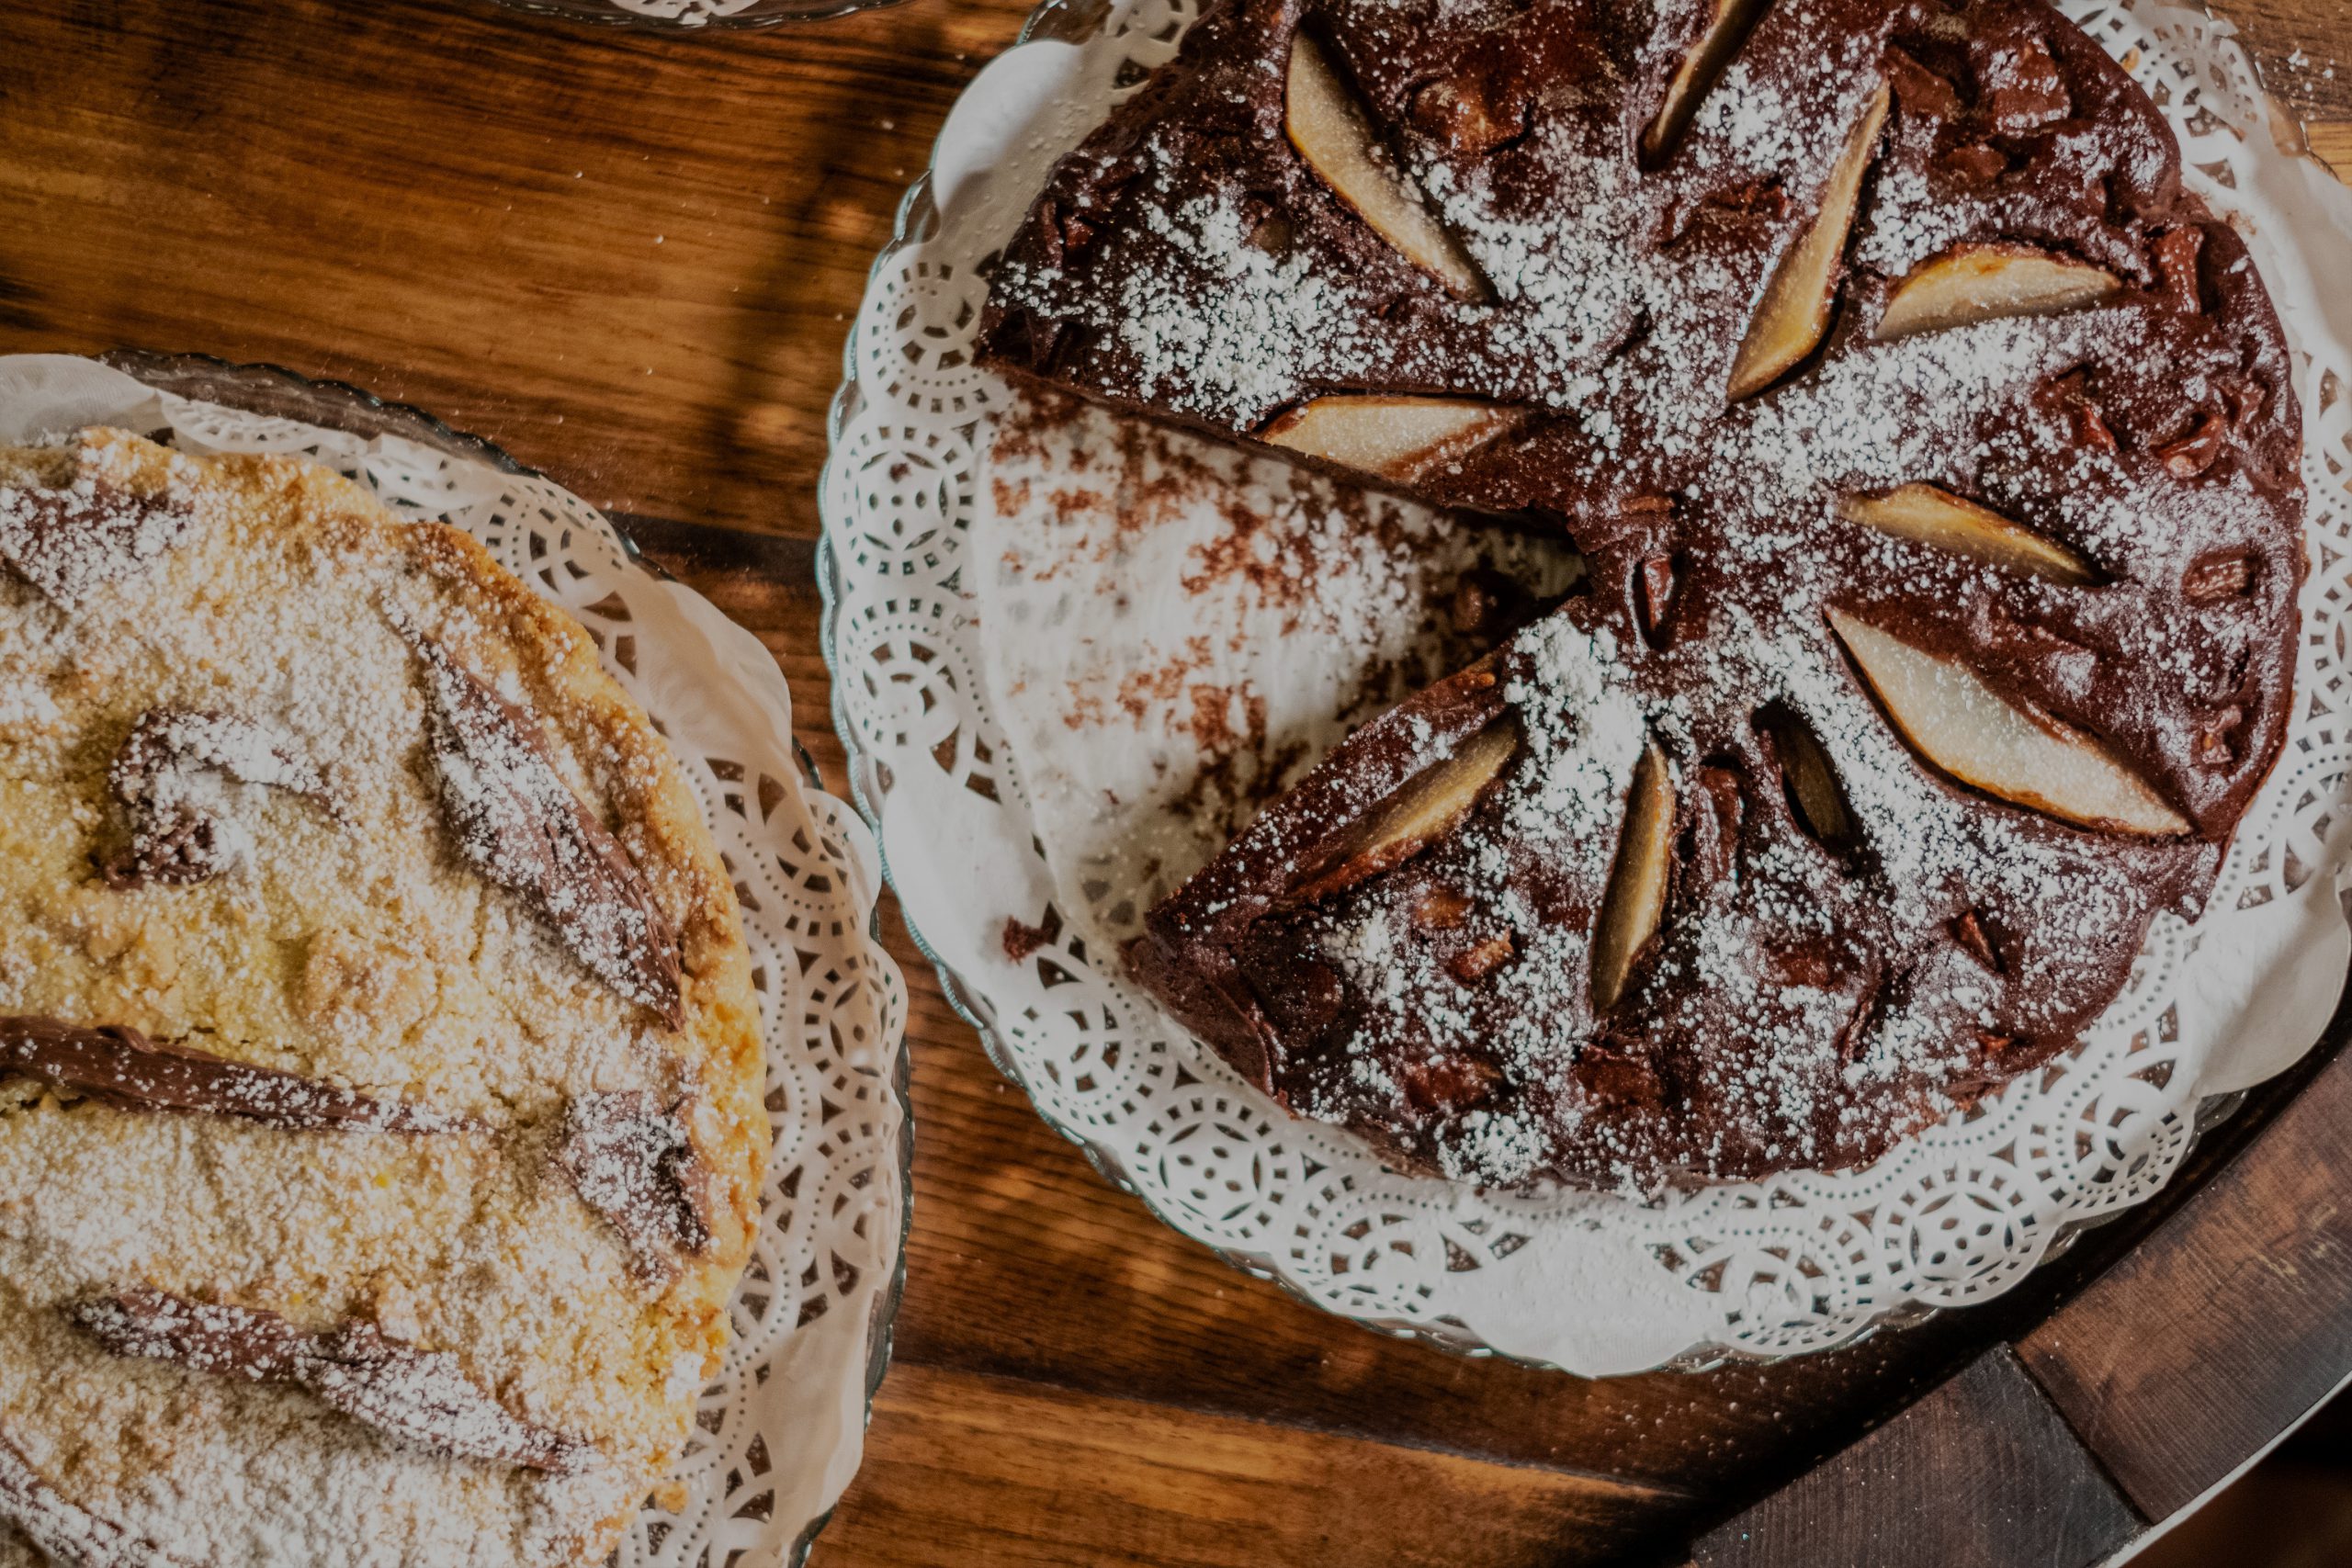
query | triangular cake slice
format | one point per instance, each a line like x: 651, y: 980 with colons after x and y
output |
x: 1935, y: 461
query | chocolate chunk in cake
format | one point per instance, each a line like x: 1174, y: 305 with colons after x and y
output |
x: 86, y: 528
x: 419, y: 1396
x: 68, y: 1536
x: 634, y: 1162
x: 173, y: 777
x: 520, y: 825
x: 123, y: 1068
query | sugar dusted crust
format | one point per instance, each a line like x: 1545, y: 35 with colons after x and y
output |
x: 346, y: 939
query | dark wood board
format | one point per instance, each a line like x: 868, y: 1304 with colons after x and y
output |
x: 631, y: 261
x: 2034, y: 1493
x: 2179, y: 1360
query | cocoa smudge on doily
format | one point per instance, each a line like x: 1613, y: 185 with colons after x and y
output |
x: 1149, y: 474
x: 419, y: 1396
x: 1023, y: 943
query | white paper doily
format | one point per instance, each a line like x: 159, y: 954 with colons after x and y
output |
x: 780, y: 1430
x: 1590, y: 1283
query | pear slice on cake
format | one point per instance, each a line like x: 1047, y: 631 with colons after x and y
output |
x: 1699, y: 72
x: 1934, y: 516
x: 1986, y: 282
x: 1335, y: 136
x: 1956, y: 721
x: 1397, y: 437
x: 1635, y: 901
x: 1416, y: 816
x: 1794, y: 315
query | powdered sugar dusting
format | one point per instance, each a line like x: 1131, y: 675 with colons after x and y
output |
x: 1252, y: 322
x: 70, y: 1536
x: 634, y: 1163
x: 177, y: 778
x: 1583, y: 731
x: 419, y: 1396
x: 517, y: 821
x: 101, y: 525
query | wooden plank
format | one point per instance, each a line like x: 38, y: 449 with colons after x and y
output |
x: 2228, y: 1323
x: 2331, y: 143
x: 631, y: 260
x: 1981, y: 1473
x: 459, y: 208
x: 738, y: 559
x: 975, y: 1471
x: 2285, y: 1513
x: 2304, y: 50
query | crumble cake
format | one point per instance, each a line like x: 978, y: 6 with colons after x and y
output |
x: 1935, y: 465
x: 380, y: 1085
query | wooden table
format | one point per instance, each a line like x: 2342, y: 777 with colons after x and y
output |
x: 631, y: 260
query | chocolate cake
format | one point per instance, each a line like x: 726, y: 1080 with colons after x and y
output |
x: 1936, y: 466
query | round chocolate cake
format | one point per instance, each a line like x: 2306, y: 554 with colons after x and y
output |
x: 1935, y: 467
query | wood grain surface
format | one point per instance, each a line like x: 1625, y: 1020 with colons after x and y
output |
x: 2034, y: 1493
x: 2178, y: 1359
x: 631, y: 260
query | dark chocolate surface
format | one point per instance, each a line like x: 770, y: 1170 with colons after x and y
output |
x: 1809, y: 998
